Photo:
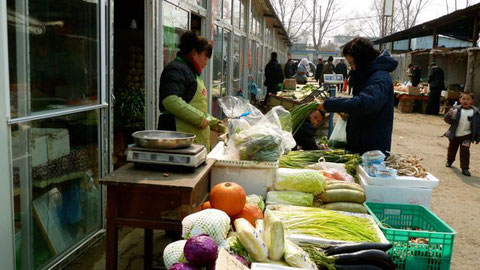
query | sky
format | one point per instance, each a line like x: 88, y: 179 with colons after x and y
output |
x: 435, y: 9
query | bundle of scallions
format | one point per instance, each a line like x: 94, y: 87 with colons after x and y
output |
x: 325, y: 224
x: 300, y: 113
x: 301, y: 159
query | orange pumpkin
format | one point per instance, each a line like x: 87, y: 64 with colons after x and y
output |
x: 250, y: 212
x: 206, y: 205
x: 228, y: 197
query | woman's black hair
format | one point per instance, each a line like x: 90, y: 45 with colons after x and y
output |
x: 190, y: 41
x: 362, y: 51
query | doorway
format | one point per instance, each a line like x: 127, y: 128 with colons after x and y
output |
x: 129, y: 75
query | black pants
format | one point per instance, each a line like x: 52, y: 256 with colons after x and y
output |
x: 464, y: 151
x: 433, y: 104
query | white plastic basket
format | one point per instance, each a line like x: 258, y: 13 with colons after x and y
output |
x: 218, y: 154
x: 429, y: 182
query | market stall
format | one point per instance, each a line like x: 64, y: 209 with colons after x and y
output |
x: 253, y: 203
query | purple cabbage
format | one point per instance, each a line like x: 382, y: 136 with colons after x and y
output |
x: 241, y: 259
x: 201, y: 250
x: 183, y: 266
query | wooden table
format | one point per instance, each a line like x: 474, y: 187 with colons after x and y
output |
x: 151, y: 200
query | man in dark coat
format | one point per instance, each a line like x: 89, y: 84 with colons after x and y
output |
x: 273, y: 75
x: 370, y: 121
x: 318, y: 71
x: 328, y: 68
x: 414, y: 72
x: 289, y: 68
x: 341, y: 68
x: 437, y: 84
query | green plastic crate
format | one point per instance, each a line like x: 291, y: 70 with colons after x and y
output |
x: 399, y: 221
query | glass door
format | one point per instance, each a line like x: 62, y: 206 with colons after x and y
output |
x: 57, y: 108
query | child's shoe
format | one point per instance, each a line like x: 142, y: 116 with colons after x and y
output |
x: 448, y: 165
x: 466, y: 172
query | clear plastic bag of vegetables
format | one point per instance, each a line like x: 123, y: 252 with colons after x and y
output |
x: 258, y: 145
x: 267, y: 138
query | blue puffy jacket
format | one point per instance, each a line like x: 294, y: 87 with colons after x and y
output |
x: 370, y: 121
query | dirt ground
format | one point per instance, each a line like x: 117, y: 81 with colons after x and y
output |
x: 456, y: 201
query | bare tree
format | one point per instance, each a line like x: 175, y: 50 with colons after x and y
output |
x: 293, y: 16
x: 410, y: 9
x: 322, y: 19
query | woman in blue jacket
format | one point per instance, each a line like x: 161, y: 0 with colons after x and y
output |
x: 370, y: 113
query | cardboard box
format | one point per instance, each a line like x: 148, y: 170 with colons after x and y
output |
x: 406, y: 106
x: 37, y: 149
x: 413, y: 90
x: 290, y: 84
x: 452, y: 95
x: 227, y: 261
x: 58, y: 141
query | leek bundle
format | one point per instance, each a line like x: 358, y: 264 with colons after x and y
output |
x: 325, y: 224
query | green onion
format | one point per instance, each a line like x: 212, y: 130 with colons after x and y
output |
x: 317, y: 255
x: 325, y: 224
x: 300, y: 113
x: 301, y: 159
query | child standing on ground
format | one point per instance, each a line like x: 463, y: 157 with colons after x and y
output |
x: 464, y: 121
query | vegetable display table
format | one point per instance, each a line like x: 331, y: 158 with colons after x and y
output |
x: 151, y: 200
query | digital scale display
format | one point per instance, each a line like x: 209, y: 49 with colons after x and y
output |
x: 153, y: 157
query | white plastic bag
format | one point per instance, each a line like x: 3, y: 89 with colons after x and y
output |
x: 259, y: 141
x: 338, y: 138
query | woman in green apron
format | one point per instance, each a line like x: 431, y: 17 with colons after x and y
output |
x: 183, y: 96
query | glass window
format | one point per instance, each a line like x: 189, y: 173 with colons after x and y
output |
x: 175, y: 23
x: 53, y: 53
x: 243, y: 22
x: 237, y: 63
x: 217, y: 8
x: 226, y: 53
x: 227, y: 10
x: 58, y: 159
x: 217, y: 55
x: 236, y: 13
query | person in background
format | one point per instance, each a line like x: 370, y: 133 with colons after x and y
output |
x: 341, y: 68
x: 183, y: 95
x: 464, y: 121
x: 414, y: 72
x: 370, y: 113
x: 319, y: 70
x: 289, y: 68
x: 350, y: 75
x: 437, y: 84
x: 273, y: 76
x: 305, y: 135
x: 328, y: 68
x: 302, y: 71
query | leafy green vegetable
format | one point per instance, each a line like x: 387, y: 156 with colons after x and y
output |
x: 129, y: 111
x: 326, y: 224
x: 310, y: 181
x: 237, y: 248
x: 258, y: 146
x: 318, y: 256
x: 289, y: 198
x: 302, y: 159
x: 256, y: 200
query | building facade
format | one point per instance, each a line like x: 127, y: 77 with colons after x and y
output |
x: 69, y: 69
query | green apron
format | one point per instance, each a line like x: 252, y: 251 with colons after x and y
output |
x: 200, y: 102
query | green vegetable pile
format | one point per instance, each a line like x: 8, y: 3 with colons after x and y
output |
x: 326, y: 224
x: 260, y: 146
